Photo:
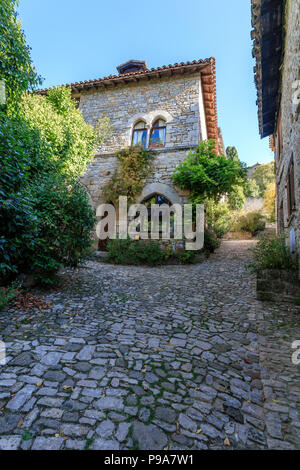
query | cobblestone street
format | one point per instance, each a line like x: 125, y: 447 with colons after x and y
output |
x: 176, y: 357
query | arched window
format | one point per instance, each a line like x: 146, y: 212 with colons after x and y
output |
x: 156, y: 199
x: 139, y: 135
x: 158, y: 134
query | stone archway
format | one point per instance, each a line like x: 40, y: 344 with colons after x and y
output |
x: 159, y: 188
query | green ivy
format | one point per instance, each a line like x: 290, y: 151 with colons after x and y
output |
x: 136, y: 164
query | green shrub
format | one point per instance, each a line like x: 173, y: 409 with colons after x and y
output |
x: 236, y: 198
x: 186, y: 257
x: 17, y: 236
x: 272, y: 253
x: 144, y: 252
x: 218, y: 217
x: 251, y: 188
x: 252, y: 222
x: 44, y: 224
x: 64, y: 220
x: 211, y: 242
x: 7, y: 294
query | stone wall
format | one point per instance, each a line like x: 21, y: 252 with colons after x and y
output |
x: 175, y: 99
x: 278, y: 286
x: 165, y: 162
x: 253, y: 204
x: 178, y: 100
x: 290, y: 115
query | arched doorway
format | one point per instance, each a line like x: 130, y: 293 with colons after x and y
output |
x: 158, y: 200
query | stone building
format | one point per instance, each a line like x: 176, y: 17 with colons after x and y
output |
x: 252, y: 169
x: 169, y: 109
x: 276, y: 49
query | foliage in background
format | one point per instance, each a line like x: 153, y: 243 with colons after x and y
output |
x: 218, y: 217
x: 206, y: 174
x: 128, y: 180
x: 264, y: 176
x: 15, y: 63
x: 269, y: 202
x: 252, y: 222
x: 232, y: 154
x: 272, y: 253
x: 236, y: 198
x: 251, y: 188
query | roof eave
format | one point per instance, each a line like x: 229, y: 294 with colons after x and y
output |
x: 159, y: 72
x: 267, y: 36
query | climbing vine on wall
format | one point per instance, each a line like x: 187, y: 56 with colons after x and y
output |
x: 136, y: 164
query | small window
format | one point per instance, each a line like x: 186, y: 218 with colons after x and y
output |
x: 158, y: 134
x: 291, y: 188
x: 139, y: 135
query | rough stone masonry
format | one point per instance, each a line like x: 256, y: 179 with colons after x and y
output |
x: 183, y: 96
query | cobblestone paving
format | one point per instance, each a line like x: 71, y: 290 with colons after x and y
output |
x: 178, y: 357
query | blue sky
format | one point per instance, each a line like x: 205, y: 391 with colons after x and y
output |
x: 75, y: 40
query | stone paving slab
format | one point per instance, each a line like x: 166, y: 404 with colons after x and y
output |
x: 176, y: 357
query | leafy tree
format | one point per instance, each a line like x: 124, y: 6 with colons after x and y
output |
x: 43, y: 152
x: 69, y: 142
x: 45, y: 218
x: 251, y: 188
x: 15, y: 63
x: 269, y: 202
x: 208, y: 175
x: 263, y: 176
x: 218, y: 217
x: 236, y: 198
x: 232, y: 154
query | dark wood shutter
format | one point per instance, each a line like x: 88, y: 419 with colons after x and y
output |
x: 291, y: 188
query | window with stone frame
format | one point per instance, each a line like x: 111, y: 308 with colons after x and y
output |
x: 139, y: 134
x: 158, y: 134
x: 290, y: 184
